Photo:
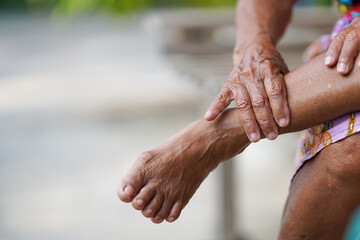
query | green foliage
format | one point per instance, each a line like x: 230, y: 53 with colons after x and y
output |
x: 316, y: 2
x: 75, y: 7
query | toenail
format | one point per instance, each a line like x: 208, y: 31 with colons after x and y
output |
x: 158, y: 219
x: 148, y: 212
x: 171, y: 219
x: 140, y: 202
x: 128, y: 190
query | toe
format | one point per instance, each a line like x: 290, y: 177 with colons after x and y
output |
x: 132, y: 182
x: 153, y: 207
x: 174, y: 212
x: 163, y: 212
x: 143, y: 198
x: 125, y: 192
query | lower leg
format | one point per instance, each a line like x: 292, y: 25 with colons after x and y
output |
x: 324, y: 193
x: 161, y: 181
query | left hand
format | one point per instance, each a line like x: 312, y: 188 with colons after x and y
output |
x: 344, y: 48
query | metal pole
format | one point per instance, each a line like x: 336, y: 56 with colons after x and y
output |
x: 228, y: 210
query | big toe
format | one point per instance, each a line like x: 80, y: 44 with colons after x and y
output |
x: 132, y: 182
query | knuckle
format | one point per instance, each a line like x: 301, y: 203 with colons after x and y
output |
x: 264, y: 123
x: 223, y: 97
x: 227, y: 85
x: 337, y: 42
x: 351, y: 36
x: 246, y: 71
x: 339, y: 37
x: 242, y: 104
x: 258, y: 102
x: 145, y: 156
x: 220, y: 99
x: 276, y: 89
x: 267, y: 62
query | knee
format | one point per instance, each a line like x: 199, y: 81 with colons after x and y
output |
x: 343, y: 162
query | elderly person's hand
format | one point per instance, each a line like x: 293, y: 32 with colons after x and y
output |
x: 344, y: 48
x: 257, y: 86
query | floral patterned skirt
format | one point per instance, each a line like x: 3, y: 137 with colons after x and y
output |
x: 314, y: 139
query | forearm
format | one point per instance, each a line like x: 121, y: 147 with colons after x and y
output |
x: 258, y: 17
x: 316, y: 94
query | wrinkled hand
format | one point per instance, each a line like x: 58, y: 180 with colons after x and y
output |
x: 257, y: 86
x: 344, y: 48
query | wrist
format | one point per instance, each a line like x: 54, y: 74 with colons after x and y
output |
x: 244, y: 39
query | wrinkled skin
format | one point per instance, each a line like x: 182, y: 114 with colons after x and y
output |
x: 256, y: 82
x: 344, y: 48
x: 161, y: 181
x: 257, y: 86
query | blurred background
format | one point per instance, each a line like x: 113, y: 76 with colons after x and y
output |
x: 87, y: 85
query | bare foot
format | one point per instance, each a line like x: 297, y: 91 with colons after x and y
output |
x: 161, y: 182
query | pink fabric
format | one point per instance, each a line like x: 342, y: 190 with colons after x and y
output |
x: 318, y: 137
x: 322, y: 135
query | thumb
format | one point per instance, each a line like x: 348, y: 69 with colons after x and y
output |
x: 220, y: 103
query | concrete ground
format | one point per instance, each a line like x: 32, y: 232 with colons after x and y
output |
x: 78, y: 104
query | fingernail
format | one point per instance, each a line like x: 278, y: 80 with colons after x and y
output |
x: 328, y: 60
x: 283, y: 122
x: 272, y: 135
x: 207, y: 114
x: 128, y: 190
x: 254, y: 137
x: 140, y: 202
x: 341, y: 67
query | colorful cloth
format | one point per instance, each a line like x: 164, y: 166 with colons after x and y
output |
x: 318, y: 137
x: 346, y: 5
x: 322, y: 135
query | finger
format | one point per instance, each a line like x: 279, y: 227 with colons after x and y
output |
x: 220, y: 103
x: 332, y: 54
x: 261, y: 107
x: 348, y: 53
x: 276, y: 92
x: 247, y: 116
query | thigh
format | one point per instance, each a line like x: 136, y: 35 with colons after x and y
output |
x: 324, y: 193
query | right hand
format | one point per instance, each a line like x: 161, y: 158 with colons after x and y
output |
x: 258, y: 88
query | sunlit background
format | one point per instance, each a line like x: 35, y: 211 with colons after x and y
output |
x: 87, y: 85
